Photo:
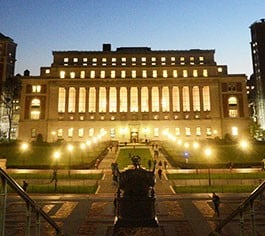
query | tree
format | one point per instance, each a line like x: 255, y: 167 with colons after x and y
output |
x: 10, y: 92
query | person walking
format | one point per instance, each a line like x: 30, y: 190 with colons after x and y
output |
x: 216, y: 202
x: 159, y: 173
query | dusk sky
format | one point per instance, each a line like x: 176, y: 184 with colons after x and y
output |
x: 42, y: 26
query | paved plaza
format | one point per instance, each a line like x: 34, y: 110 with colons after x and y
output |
x: 178, y: 214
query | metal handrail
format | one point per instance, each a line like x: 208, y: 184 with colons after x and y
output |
x: 245, y: 204
x: 29, y: 201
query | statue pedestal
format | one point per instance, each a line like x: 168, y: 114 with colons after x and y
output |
x: 3, y: 164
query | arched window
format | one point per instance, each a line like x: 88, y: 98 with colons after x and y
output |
x: 155, y: 99
x: 165, y: 99
x: 232, y: 107
x: 134, y: 99
x: 35, y: 109
x: 144, y: 99
x: 123, y: 99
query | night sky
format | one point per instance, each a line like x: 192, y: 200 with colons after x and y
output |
x: 42, y: 26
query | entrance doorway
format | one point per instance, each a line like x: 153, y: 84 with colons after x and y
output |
x: 134, y: 137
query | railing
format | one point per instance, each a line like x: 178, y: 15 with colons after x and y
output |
x: 248, y: 203
x: 30, y: 206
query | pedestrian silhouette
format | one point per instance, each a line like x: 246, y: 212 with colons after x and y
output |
x: 159, y: 173
x: 216, y: 202
x: 25, y: 185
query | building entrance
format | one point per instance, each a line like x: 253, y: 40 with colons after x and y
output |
x: 134, y: 137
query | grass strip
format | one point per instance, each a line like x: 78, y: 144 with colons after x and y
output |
x: 257, y: 175
x: 218, y: 189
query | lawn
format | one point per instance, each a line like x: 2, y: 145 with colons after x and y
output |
x: 42, y: 156
x: 124, y: 160
x: 221, y: 154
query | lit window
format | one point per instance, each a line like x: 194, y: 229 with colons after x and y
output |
x: 153, y: 59
x: 85, y: 59
x: 209, y: 131
x: 75, y: 60
x: 102, y: 99
x: 186, y: 98
x: 133, y: 73
x: 112, y: 133
x: 112, y: 74
x: 156, y: 132
x: 175, y: 99
x: 206, y: 98
x: 155, y: 99
x: 196, y: 98
x: 70, y: 132
x: 177, y: 131
x: 234, y: 131
x: 134, y: 99
x: 33, y: 133
x: 62, y: 74
x: 220, y: 69
x: 205, y: 73
x: 163, y: 61
x: 123, y: 99
x: 165, y: 99
x: 104, y: 61
x: 92, y: 74
x: 195, y: 73
x: 61, y: 100
x: 82, y: 74
x: 71, y: 101
x: 182, y: 60
x: 143, y: 61
x: 187, y: 131
x: 72, y: 75
x: 36, y: 88
x: 185, y: 73
x: 192, y: 60
x: 81, y: 132
x: 59, y: 133
x: 144, y: 74
x: 102, y: 74
x: 165, y: 74
x: 144, y: 99
x: 154, y: 73
x: 92, y: 100
x: 82, y: 100
x: 35, y: 109
x: 91, y: 132
x: 66, y: 60
x: 123, y: 74
x: 47, y: 71
x: 113, y: 61
x: 175, y: 73
x: 201, y: 59
x: 94, y: 61
x: 112, y: 99
x: 123, y: 61
x: 198, y: 131
x: 232, y: 107
x: 134, y: 59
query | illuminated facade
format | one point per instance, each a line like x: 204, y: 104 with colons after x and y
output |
x: 258, y: 60
x: 131, y: 95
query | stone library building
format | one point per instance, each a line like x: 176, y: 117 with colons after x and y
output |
x: 133, y: 94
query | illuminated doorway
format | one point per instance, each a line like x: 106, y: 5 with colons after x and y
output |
x: 134, y: 137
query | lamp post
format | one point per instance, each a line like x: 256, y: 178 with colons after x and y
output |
x: 24, y: 148
x: 70, y: 149
x: 208, y: 153
x: 56, y: 156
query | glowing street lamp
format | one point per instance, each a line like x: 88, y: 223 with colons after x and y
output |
x: 24, y: 147
x: 208, y: 153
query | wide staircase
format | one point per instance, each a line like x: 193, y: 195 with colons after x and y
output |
x: 178, y: 214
